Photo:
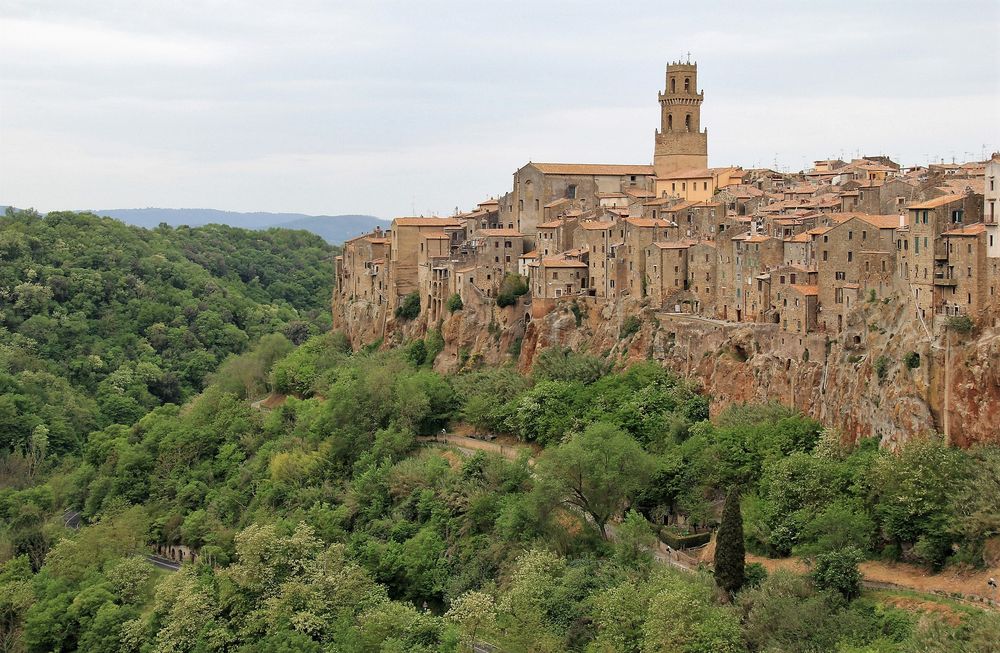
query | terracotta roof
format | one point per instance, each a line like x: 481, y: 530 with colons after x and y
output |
x: 558, y: 202
x: 805, y: 290
x: 648, y: 222
x: 971, y: 230
x: 800, y: 238
x: 698, y: 173
x: 606, y: 195
x: 819, y: 231
x: 436, y: 235
x: 489, y: 202
x: 936, y: 202
x: 562, y: 263
x: 427, y: 222
x: 594, y: 225
x: 674, y: 244
x: 513, y: 233
x: 592, y: 169
x: 639, y: 192
x: 757, y: 239
x: 881, y: 221
x: 377, y: 241
x: 532, y: 254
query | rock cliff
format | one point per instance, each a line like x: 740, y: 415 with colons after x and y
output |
x: 884, y: 376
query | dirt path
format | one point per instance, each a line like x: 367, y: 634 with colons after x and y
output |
x: 969, y: 584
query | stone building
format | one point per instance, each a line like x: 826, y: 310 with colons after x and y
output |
x: 496, y: 254
x: 558, y: 277
x: 667, y: 273
x: 539, y: 184
x: 408, y: 246
x: 680, y: 143
x: 361, y: 271
x: 959, y: 283
x: 926, y: 222
x: 596, y: 238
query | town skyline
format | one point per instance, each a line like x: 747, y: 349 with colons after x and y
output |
x: 342, y: 123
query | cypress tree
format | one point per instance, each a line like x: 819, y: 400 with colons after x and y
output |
x: 729, y: 551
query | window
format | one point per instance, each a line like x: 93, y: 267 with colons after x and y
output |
x: 956, y: 216
x: 825, y: 255
x: 840, y: 276
x: 536, y: 204
x: 673, y: 85
x: 687, y: 122
x: 850, y: 235
x: 670, y: 123
x: 571, y: 191
x: 687, y: 84
x: 850, y: 257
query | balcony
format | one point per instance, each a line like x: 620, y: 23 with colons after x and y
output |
x: 944, y: 281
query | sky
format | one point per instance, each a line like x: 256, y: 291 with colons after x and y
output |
x: 422, y: 106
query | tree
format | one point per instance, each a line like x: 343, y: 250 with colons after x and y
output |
x: 596, y: 471
x: 454, y: 303
x: 730, y: 554
x: 409, y: 308
x: 837, y: 571
x: 474, y: 612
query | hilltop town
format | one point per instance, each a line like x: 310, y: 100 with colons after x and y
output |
x: 794, y: 257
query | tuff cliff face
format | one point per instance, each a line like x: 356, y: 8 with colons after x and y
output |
x: 858, y: 381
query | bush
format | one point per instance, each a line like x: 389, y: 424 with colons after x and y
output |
x: 677, y: 541
x: 754, y: 574
x: 454, y: 303
x: 630, y: 326
x: 416, y: 352
x: 512, y: 287
x: 837, y: 571
x: 410, y: 308
x: 960, y: 324
x: 882, y: 368
x: 912, y: 360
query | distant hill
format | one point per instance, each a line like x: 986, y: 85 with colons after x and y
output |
x: 335, y: 229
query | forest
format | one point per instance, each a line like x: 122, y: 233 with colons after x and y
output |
x: 326, y: 519
x: 101, y: 322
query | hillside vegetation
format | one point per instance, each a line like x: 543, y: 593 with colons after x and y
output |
x: 324, y: 525
x: 101, y: 322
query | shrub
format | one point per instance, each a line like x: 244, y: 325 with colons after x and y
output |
x: 416, y: 352
x: 434, y: 343
x: 912, y: 360
x: 754, y: 574
x: 515, y: 347
x: 837, y: 571
x: 454, y: 303
x: 410, y: 308
x: 630, y: 326
x: 677, y: 541
x: 512, y: 287
x: 882, y: 367
x: 960, y: 324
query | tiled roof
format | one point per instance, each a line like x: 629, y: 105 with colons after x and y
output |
x: 805, y: 290
x: 436, y: 235
x: 648, y: 222
x: 971, y: 230
x: 562, y: 263
x: 595, y: 225
x: 427, y: 222
x: 936, y: 202
x: 512, y: 233
x: 592, y: 169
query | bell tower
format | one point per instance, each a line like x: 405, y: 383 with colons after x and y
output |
x: 680, y: 142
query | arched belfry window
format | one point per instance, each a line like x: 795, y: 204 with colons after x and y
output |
x: 670, y: 123
x: 673, y: 85
x: 687, y: 84
x: 687, y: 122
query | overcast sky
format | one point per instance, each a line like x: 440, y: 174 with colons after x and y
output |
x: 391, y: 108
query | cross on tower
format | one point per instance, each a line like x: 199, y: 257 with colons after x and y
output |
x: 689, y: 56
